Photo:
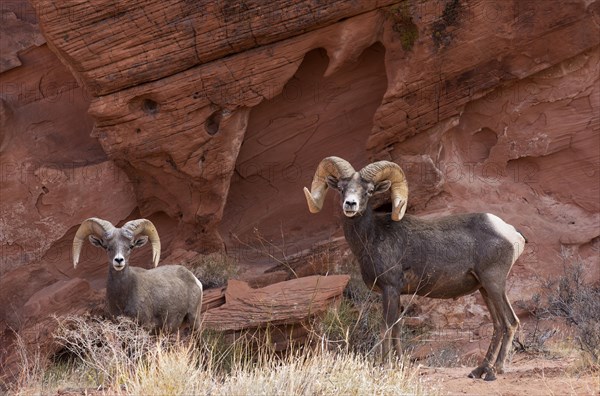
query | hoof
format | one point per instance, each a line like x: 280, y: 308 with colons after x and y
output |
x: 489, y: 376
x: 477, y: 373
x: 499, y: 370
x: 490, y: 373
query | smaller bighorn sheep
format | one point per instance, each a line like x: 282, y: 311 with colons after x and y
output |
x: 447, y: 257
x: 160, y: 298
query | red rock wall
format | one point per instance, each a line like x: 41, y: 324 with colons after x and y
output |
x: 210, y: 119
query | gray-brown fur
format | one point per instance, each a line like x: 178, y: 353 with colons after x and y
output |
x: 161, y: 298
x: 447, y: 257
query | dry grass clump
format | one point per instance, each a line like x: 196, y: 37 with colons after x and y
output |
x: 107, y: 350
x: 214, y: 270
x: 354, y: 325
x: 324, y: 373
x: 32, y: 367
x: 312, y: 373
x: 119, y: 358
x: 169, y: 371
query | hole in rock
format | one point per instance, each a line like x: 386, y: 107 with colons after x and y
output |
x: 149, y: 106
x: 287, y: 136
x: 481, y: 144
x: 212, y: 123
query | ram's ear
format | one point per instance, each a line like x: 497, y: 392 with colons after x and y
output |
x: 98, y: 242
x: 332, y: 182
x: 382, y: 186
x: 141, y: 241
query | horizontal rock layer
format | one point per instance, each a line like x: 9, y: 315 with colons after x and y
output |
x: 113, y: 46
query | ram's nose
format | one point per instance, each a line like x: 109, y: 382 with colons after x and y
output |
x: 350, y: 204
x: 350, y: 207
x: 119, y: 263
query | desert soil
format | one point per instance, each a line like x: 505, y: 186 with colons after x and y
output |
x: 526, y: 375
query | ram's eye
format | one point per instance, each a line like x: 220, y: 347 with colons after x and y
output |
x: 131, y: 246
x: 370, y: 190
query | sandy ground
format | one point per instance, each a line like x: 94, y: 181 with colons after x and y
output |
x: 525, y: 375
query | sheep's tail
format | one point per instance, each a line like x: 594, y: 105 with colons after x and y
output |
x: 199, y: 283
x: 201, y: 291
x: 523, y: 235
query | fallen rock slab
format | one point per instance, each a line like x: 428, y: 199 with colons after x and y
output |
x: 213, y: 298
x: 283, y: 303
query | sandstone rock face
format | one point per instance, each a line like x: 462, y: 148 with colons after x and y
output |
x: 209, y: 119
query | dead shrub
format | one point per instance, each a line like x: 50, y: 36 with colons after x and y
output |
x: 214, y: 270
x: 573, y: 300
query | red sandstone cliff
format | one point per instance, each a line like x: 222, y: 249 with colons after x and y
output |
x: 209, y: 119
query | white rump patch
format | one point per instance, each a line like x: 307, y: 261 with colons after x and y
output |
x: 509, y: 233
x: 201, y: 293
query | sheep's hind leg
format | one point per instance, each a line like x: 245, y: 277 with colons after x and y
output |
x: 486, y: 365
x: 173, y: 324
x: 194, y: 318
x: 386, y: 344
x: 511, y: 323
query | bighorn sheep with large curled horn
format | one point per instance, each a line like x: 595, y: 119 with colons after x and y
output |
x: 446, y: 257
x: 161, y: 298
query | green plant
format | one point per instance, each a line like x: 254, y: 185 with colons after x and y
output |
x: 440, y: 33
x: 403, y: 25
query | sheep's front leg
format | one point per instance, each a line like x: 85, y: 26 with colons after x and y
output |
x: 391, y: 318
x: 397, y: 332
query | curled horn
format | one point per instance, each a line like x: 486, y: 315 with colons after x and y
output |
x: 385, y: 170
x: 145, y: 227
x: 90, y: 226
x: 335, y: 166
